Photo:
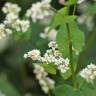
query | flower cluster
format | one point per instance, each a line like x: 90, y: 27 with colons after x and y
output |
x: 40, y: 10
x: 21, y: 25
x: 34, y: 54
x: 50, y: 35
x: 12, y: 17
x: 52, y: 55
x: 12, y: 21
x: 11, y: 8
x: 4, y: 31
x: 45, y: 82
x: 89, y: 73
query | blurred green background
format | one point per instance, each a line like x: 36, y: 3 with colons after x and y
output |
x: 16, y: 76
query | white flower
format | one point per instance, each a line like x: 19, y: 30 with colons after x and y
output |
x: 21, y: 25
x: 80, y: 1
x: 10, y: 19
x: 55, y: 57
x: 89, y: 73
x: 53, y: 45
x: 45, y: 89
x: 64, y: 65
x: 24, y: 25
x: 51, y: 35
x: 34, y: 54
x: 4, y: 31
x: 51, y: 56
x: 11, y: 8
x: 45, y: 82
x: 39, y: 10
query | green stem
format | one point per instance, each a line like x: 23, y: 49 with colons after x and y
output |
x: 70, y: 49
x: 70, y: 46
x: 74, y: 8
x: 71, y: 56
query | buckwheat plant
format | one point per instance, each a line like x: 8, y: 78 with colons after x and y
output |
x: 63, y: 58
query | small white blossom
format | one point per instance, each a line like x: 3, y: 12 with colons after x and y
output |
x: 80, y: 1
x: 45, y: 82
x: 4, y: 31
x: 53, y: 45
x: 51, y: 56
x: 11, y: 8
x: 10, y: 19
x: 34, y: 54
x: 39, y: 10
x: 64, y: 65
x: 21, y: 25
x: 25, y: 24
x: 50, y: 35
x: 89, y: 73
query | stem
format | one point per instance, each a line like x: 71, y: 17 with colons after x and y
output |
x: 70, y: 49
x: 70, y: 46
x: 71, y: 56
x: 74, y: 8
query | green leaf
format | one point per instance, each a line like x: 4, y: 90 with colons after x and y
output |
x: 88, y: 90
x: 50, y: 68
x: 62, y: 40
x: 58, y: 18
x: 66, y: 90
x: 77, y: 38
x: 66, y: 75
x: 69, y: 19
x: 63, y: 90
x: 7, y: 88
